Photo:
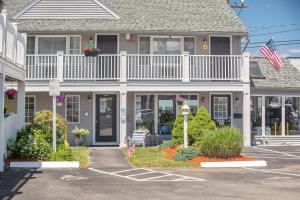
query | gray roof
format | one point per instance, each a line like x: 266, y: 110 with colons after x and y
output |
x: 288, y: 77
x: 184, y: 16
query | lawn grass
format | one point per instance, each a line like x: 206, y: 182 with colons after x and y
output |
x: 81, y: 154
x: 154, y: 157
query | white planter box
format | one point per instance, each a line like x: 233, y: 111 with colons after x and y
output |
x: 255, y: 163
x: 50, y: 164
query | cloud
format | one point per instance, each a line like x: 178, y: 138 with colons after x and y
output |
x: 294, y: 50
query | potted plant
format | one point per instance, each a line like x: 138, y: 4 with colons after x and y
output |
x: 80, y: 135
x: 91, y: 50
x: 60, y: 100
x: 11, y: 93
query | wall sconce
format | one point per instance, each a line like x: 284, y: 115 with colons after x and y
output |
x: 237, y: 100
x: 203, y: 99
x: 89, y: 98
x: 127, y: 36
x: 205, y: 45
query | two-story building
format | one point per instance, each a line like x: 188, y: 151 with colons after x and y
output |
x: 152, y: 54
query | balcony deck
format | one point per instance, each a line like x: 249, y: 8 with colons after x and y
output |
x: 125, y: 67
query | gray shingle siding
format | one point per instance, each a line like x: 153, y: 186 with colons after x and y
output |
x: 184, y: 16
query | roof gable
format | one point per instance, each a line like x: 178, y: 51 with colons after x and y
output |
x: 65, y: 9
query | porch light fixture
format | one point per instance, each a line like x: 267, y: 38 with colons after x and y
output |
x: 203, y: 99
x: 185, y: 112
x: 237, y: 100
x: 204, y: 45
x: 89, y: 98
x: 127, y: 36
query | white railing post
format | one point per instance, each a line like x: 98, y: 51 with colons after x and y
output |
x: 245, y: 74
x: 24, y: 35
x: 15, y: 43
x: 4, y: 33
x: 60, y: 66
x: 186, y: 67
x: 123, y: 66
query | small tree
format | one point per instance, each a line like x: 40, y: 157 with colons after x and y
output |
x: 177, y: 132
x: 201, y: 123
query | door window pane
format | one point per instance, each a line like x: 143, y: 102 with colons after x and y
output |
x: 256, y: 116
x: 48, y: 45
x: 167, y: 46
x: 75, y: 45
x: 144, y: 45
x: 106, y: 116
x: 166, y: 114
x: 30, y: 45
x: 273, y: 115
x: 145, y: 112
x: 220, y: 108
x: 189, y: 45
x: 292, y: 116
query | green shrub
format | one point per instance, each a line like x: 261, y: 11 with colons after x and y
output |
x: 177, y: 132
x: 62, y: 154
x: 186, y: 154
x: 42, y: 121
x: 200, y: 124
x: 222, y: 143
x: 42, y: 149
x: 166, y: 144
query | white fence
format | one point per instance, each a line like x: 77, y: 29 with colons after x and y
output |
x: 12, y: 125
x: 12, y: 43
x: 125, y: 67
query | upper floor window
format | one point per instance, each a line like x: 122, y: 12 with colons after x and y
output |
x: 166, y: 45
x: 52, y: 44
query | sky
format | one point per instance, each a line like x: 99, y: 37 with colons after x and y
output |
x: 269, y: 16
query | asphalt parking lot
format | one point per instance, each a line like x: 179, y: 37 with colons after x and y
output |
x: 280, y: 180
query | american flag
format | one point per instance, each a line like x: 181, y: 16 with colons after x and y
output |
x: 269, y: 50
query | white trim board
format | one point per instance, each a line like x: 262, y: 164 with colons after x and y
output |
x: 47, y: 164
x: 102, y: 11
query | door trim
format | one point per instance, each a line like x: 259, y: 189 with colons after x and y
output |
x: 209, y: 42
x: 231, y: 103
x: 117, y: 119
x: 118, y: 39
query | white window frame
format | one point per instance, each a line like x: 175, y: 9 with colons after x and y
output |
x: 226, y: 110
x: 164, y: 36
x: 66, y: 109
x: 36, y: 50
x: 34, y: 103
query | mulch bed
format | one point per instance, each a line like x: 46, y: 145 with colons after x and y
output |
x: 9, y: 160
x: 197, y: 160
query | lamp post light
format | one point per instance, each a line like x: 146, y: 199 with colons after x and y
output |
x: 185, y: 112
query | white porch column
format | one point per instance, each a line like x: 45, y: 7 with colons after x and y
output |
x: 21, y: 102
x: 283, y: 116
x: 123, y: 66
x: 60, y: 66
x: 186, y: 67
x: 247, y: 118
x: 263, y: 116
x: 123, y: 115
x: 245, y: 70
x: 2, y: 136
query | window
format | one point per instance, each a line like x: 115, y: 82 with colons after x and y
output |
x: 144, y: 45
x: 167, y: 46
x: 220, y: 108
x: 29, y: 108
x: 189, y: 45
x: 75, y: 45
x: 145, y: 112
x: 30, y: 45
x: 51, y: 45
x: 72, y: 108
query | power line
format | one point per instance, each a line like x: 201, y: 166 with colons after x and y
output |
x: 279, y: 41
x: 270, y: 27
x: 287, y: 44
x: 293, y: 30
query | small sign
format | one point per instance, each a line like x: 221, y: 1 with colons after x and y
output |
x: 54, y: 87
x: 205, y: 46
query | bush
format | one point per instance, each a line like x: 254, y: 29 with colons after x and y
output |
x: 200, y: 124
x: 42, y: 121
x: 222, y: 143
x: 166, y: 144
x: 186, y: 154
x: 177, y: 132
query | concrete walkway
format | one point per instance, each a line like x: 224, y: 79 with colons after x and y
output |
x: 108, y: 159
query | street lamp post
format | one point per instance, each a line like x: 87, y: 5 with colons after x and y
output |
x: 185, y: 112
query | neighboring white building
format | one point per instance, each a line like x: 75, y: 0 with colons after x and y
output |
x: 151, y: 53
x: 12, y: 72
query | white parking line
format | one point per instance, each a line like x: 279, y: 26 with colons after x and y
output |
x: 151, y: 178
x: 287, y: 154
x: 272, y: 172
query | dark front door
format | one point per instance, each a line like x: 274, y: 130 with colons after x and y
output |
x: 106, y: 118
x: 221, y: 109
x: 220, y: 46
x: 108, y: 44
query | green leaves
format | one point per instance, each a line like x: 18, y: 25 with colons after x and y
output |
x: 186, y: 154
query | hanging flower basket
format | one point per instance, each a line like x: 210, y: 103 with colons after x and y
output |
x: 92, y: 52
x: 11, y: 93
x: 60, y: 100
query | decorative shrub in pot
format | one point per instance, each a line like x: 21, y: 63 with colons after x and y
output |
x: 80, y: 136
x: 93, y: 52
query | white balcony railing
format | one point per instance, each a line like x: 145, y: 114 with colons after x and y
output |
x: 131, y: 67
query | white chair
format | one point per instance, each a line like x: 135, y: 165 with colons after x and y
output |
x: 138, y: 138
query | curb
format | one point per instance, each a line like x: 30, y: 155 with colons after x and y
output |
x: 49, y: 164
x: 257, y: 163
